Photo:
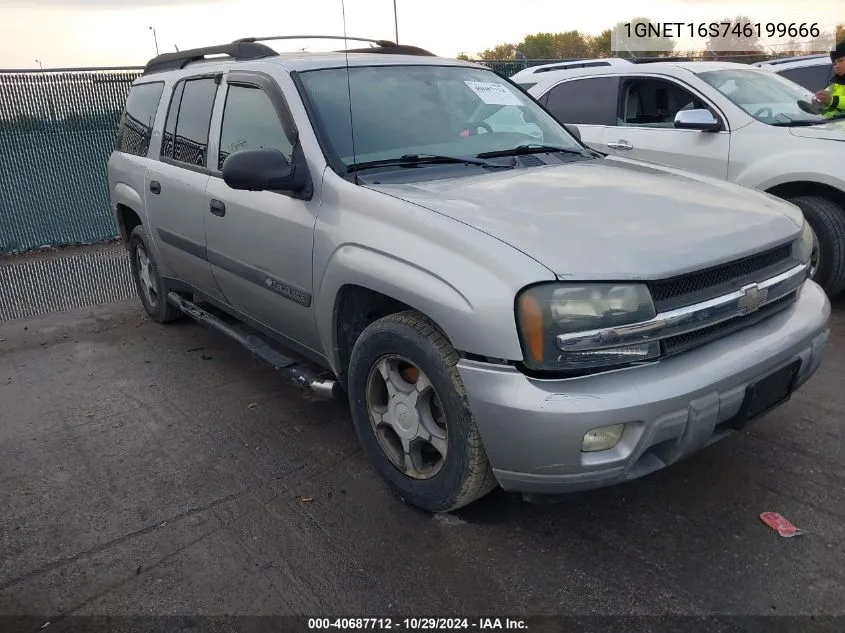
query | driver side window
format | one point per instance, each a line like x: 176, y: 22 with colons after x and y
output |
x: 648, y: 102
x: 250, y: 122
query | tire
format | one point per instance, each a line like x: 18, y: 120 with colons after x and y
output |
x: 464, y: 473
x: 155, y: 302
x: 827, y: 220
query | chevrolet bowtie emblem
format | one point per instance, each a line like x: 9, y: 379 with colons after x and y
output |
x: 752, y: 298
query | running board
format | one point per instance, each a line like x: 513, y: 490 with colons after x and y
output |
x: 298, y: 372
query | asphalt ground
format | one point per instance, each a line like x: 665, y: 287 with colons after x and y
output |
x: 150, y: 470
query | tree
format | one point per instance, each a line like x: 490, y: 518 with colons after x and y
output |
x: 840, y: 32
x: 601, y: 45
x: 555, y: 45
x: 656, y: 46
x: 499, y: 52
x: 729, y: 43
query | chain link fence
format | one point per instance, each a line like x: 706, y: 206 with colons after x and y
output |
x: 57, y: 129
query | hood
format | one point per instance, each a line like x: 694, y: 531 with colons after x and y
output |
x: 834, y: 131
x: 611, y: 218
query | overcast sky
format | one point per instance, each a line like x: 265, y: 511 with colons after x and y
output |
x: 64, y: 33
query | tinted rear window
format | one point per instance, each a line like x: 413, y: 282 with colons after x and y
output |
x: 589, y: 101
x: 191, y: 106
x: 136, y: 124
x: 812, y: 78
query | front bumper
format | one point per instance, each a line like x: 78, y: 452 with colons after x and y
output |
x: 532, y: 429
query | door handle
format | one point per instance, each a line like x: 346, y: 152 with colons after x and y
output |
x: 218, y: 208
x: 155, y: 187
x: 620, y: 144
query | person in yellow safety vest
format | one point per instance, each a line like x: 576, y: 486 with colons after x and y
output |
x: 831, y: 101
x: 834, y: 97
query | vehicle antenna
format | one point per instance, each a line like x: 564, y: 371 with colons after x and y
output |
x: 349, y: 89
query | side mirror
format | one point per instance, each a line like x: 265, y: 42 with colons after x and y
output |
x: 261, y: 169
x: 574, y: 131
x: 702, y: 120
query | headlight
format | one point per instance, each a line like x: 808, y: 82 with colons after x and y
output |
x: 807, y: 244
x: 546, y: 311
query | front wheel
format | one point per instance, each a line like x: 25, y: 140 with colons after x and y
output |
x: 827, y: 219
x: 412, y: 416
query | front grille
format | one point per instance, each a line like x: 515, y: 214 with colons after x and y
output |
x: 684, y: 290
x: 684, y: 342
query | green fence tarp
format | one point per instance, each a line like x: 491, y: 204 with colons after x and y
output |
x: 57, y: 129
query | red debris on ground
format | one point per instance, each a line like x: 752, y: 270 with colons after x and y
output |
x: 781, y: 525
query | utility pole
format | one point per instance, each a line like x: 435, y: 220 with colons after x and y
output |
x: 155, y: 38
x: 396, y: 21
x: 50, y: 106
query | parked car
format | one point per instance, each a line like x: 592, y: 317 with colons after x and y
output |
x: 497, y: 308
x: 812, y: 72
x: 528, y: 77
x: 731, y: 121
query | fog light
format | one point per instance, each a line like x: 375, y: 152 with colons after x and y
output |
x: 602, y: 439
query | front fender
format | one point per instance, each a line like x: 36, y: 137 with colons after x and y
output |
x: 464, y: 280
x: 776, y: 169
x: 471, y: 323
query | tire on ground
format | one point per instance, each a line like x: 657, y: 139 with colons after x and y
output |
x: 828, y: 222
x: 162, y: 311
x: 466, y: 474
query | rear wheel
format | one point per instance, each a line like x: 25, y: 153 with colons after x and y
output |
x: 149, y: 284
x: 412, y: 415
x: 827, y: 219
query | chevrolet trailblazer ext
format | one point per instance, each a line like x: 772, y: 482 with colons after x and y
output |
x: 501, y: 304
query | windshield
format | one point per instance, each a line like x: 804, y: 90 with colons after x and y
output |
x: 440, y: 110
x: 766, y: 96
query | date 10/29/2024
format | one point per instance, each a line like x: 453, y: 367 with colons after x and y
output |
x: 721, y: 29
x: 417, y: 624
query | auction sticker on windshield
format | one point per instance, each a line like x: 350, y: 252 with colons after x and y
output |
x: 494, y: 94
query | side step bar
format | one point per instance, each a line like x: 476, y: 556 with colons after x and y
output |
x: 299, y: 373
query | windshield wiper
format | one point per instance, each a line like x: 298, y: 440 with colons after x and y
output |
x: 533, y: 148
x: 414, y: 160
x: 799, y: 123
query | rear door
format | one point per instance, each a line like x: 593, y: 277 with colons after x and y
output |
x: 588, y: 103
x: 175, y: 185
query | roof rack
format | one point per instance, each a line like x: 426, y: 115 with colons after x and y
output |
x: 250, y: 48
x: 655, y: 60
x: 240, y: 50
x: 396, y: 49
x: 382, y: 46
x: 797, y: 58
x: 315, y: 37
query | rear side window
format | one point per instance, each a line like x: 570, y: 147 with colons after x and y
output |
x: 189, y: 120
x: 591, y: 101
x: 136, y: 124
x: 250, y: 122
x: 813, y: 78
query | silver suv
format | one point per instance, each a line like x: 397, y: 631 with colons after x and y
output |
x: 499, y: 303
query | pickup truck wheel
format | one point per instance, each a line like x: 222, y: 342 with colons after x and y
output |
x: 411, y: 414
x: 827, y: 220
x: 148, y: 282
